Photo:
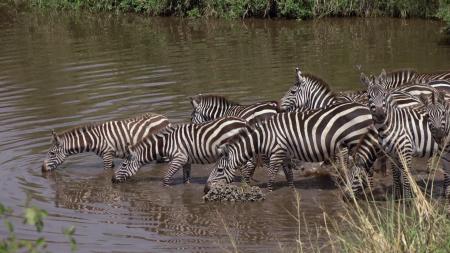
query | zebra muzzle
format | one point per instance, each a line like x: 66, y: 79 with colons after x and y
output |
x: 44, y: 167
x: 207, y: 188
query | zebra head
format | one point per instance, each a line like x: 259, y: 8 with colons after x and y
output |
x: 55, y: 155
x: 377, y: 97
x: 197, y: 115
x: 129, y: 166
x: 437, y: 111
x: 224, y: 170
x: 294, y: 99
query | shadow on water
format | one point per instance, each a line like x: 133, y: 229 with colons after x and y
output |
x: 58, y: 71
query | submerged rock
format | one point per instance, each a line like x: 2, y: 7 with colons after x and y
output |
x: 230, y: 192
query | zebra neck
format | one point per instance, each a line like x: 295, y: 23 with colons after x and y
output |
x: 79, y: 141
x: 321, y: 98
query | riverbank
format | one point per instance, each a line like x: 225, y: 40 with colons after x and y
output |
x: 291, y: 9
x: 234, y: 9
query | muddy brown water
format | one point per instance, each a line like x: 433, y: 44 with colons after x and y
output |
x: 61, y: 70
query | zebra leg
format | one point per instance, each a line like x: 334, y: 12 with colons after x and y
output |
x: 396, y: 181
x: 287, y: 168
x: 108, y: 160
x: 383, y: 164
x: 248, y: 169
x: 187, y: 173
x: 276, y: 161
x: 405, y: 167
x: 446, y: 164
x: 341, y: 157
x: 174, y: 165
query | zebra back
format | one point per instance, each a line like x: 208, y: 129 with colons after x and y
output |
x: 311, y: 136
x: 396, y: 78
x: 198, y: 142
x: 427, y: 77
x: 210, y: 107
x: 115, y: 135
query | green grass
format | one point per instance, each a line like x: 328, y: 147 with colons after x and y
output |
x: 444, y: 13
x: 420, y: 224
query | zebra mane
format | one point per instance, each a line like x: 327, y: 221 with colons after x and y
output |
x: 316, y: 80
x: 212, y: 99
x: 398, y: 71
x: 89, y: 126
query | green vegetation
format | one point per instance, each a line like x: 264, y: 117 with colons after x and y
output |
x: 295, y: 9
x: 289, y: 9
x: 32, y: 216
x: 444, y: 12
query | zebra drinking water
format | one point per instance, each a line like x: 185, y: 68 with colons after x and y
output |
x: 182, y: 145
x: 107, y: 139
x: 209, y: 107
x: 312, y: 136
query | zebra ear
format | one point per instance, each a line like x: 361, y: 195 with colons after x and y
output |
x: 298, y: 75
x: 383, y: 74
x: 364, y: 80
x: 195, y: 101
x: 55, y: 137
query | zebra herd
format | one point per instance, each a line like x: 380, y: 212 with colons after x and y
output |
x: 400, y: 114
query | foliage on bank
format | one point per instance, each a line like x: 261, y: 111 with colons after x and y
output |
x: 295, y: 9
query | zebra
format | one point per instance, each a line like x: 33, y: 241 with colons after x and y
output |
x: 107, y: 139
x: 437, y: 111
x: 210, y: 107
x: 311, y: 136
x: 403, y: 132
x: 310, y: 92
x: 397, y: 78
x: 182, y: 145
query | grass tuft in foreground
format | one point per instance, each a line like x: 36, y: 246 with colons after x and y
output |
x: 419, y: 224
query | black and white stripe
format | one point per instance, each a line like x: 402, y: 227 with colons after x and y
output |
x: 398, y: 78
x: 438, y: 114
x: 308, y: 93
x: 312, y: 136
x: 210, y: 107
x: 403, y: 133
x: 108, y: 139
x: 182, y: 145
